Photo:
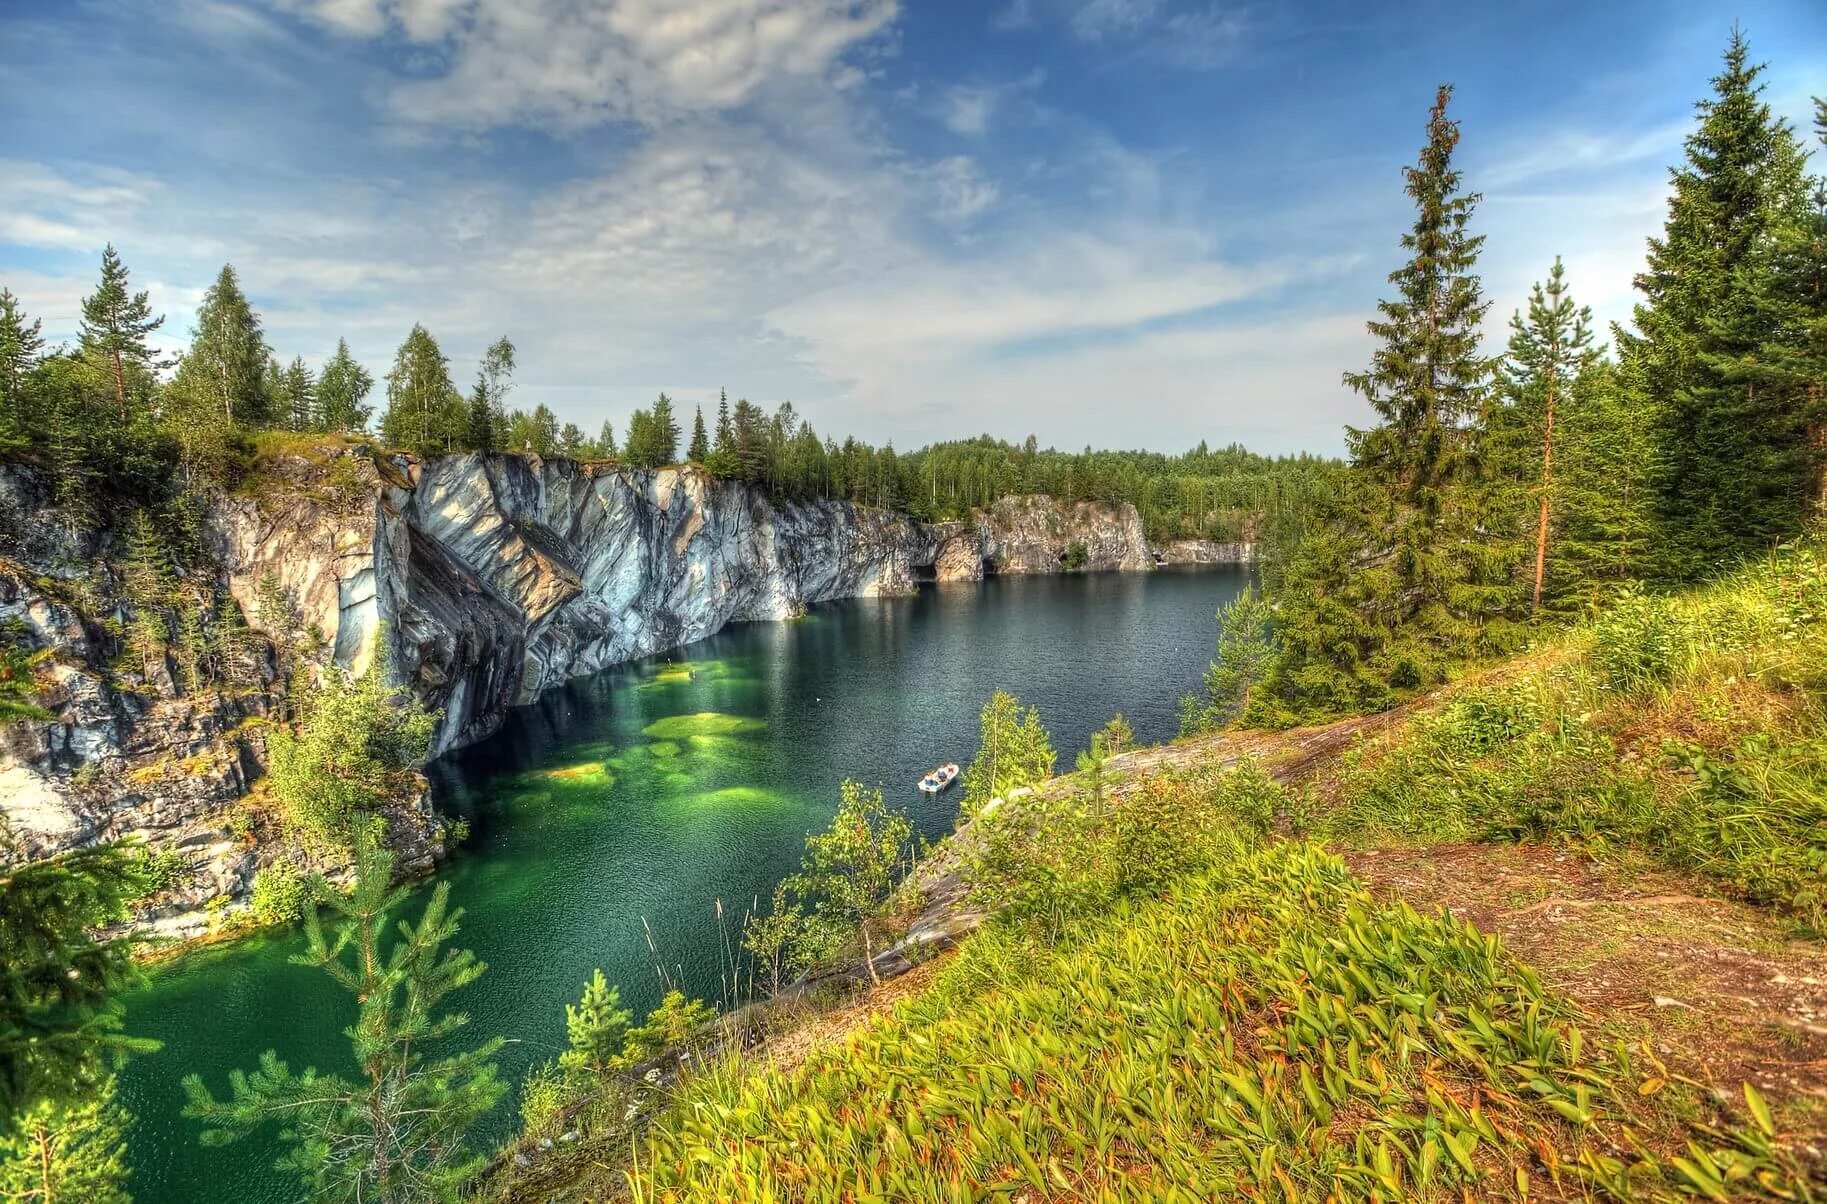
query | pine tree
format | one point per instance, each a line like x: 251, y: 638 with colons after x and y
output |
x: 1014, y: 750
x: 21, y: 345
x: 60, y: 984
x: 597, y: 1029
x: 342, y: 386
x: 700, y: 442
x: 396, y: 1135
x: 228, y: 361
x: 115, y: 324
x: 1735, y: 473
x: 299, y: 391
x: 424, y: 413
x: 1548, y: 351
x: 1247, y: 647
x: 68, y: 1148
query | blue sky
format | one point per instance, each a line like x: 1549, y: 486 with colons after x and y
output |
x: 1114, y: 222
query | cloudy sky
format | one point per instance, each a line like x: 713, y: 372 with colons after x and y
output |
x: 1116, y: 222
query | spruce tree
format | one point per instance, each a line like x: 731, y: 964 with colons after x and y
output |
x: 664, y: 432
x: 1735, y: 473
x: 726, y: 435
x: 299, y: 393
x: 21, y: 345
x: 115, y: 324
x: 397, y: 1134
x: 1547, y: 353
x: 1426, y: 380
x: 229, y: 362
x: 700, y: 441
x: 424, y: 413
x: 342, y: 387
x: 605, y: 441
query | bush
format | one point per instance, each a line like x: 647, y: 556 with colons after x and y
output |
x: 280, y: 894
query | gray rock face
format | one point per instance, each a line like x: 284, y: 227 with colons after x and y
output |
x: 1206, y: 551
x: 484, y: 579
x: 497, y: 577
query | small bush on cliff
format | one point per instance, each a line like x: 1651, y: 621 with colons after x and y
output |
x: 280, y: 894
x: 354, y: 752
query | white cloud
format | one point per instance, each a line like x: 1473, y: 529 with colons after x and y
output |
x: 577, y: 62
x: 962, y: 191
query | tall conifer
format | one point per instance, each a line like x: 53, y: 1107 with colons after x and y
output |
x: 115, y: 324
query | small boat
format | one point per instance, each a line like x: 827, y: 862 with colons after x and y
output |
x: 939, y: 778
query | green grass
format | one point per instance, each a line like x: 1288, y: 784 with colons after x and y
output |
x: 1268, y: 1029
x: 1693, y: 730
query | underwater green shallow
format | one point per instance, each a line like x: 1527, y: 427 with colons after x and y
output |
x: 609, y: 818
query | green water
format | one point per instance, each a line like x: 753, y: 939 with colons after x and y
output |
x: 634, y: 800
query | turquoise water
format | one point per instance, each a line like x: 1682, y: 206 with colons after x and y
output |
x: 633, y: 801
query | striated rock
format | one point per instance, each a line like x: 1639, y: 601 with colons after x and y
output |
x: 484, y: 579
x: 1206, y: 551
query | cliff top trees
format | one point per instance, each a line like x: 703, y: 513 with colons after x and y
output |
x: 699, y: 451
x: 1735, y: 470
x: 298, y: 392
x: 487, y: 422
x: 424, y: 413
x: 227, y: 360
x: 397, y: 1134
x: 21, y: 345
x: 115, y: 323
x: 342, y: 386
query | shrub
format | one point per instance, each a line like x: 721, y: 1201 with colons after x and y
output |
x: 280, y: 894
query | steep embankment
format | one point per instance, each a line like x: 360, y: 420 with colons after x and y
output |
x: 485, y: 580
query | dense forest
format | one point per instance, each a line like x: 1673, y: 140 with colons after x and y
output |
x: 1492, y: 497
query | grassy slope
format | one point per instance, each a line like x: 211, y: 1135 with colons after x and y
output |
x: 1639, y: 809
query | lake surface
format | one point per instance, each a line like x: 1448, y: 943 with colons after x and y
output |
x: 632, y: 801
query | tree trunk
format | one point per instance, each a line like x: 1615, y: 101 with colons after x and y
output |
x: 43, y: 1137
x: 1541, y: 526
x: 120, y: 384
x: 869, y: 955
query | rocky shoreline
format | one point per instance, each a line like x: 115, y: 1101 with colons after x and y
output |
x: 485, y: 579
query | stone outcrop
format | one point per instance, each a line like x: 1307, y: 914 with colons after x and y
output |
x: 484, y: 579
x: 1206, y: 551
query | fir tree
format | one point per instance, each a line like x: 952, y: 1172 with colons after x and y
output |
x: 70, y: 1148
x: 299, y: 393
x: 726, y: 435
x: 115, y: 324
x: 342, y: 387
x: 664, y: 432
x: 1735, y: 473
x: 1426, y: 380
x: 396, y: 1135
x: 1548, y: 351
x: 21, y: 345
x: 228, y: 361
x: 423, y: 414
x: 700, y: 442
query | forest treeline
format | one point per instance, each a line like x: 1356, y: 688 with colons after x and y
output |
x: 111, y: 420
x: 1493, y: 494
